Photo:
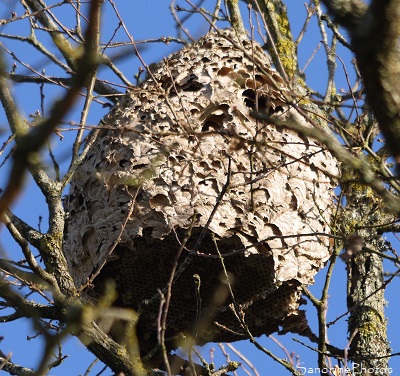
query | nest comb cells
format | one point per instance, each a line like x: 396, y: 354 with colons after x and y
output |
x: 184, y: 178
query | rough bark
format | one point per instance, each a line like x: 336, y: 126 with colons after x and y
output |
x: 375, y: 33
x: 280, y: 44
x: 365, y: 292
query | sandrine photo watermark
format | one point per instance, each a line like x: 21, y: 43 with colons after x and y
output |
x: 345, y: 370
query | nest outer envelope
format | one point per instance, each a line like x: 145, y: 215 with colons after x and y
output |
x: 156, y: 173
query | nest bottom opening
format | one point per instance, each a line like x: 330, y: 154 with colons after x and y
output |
x: 208, y: 294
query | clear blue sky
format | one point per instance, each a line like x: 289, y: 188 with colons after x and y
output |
x: 145, y: 20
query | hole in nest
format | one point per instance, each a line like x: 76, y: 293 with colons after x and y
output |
x: 278, y: 109
x: 81, y: 200
x: 210, y: 126
x: 159, y: 200
x: 250, y: 99
x: 192, y: 87
x: 216, y: 164
x: 224, y: 71
x: 190, y: 84
x: 214, y: 122
x: 259, y: 78
x: 122, y: 162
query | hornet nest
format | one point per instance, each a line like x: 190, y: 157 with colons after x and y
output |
x: 183, y: 180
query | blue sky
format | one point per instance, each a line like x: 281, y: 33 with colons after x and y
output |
x: 145, y: 20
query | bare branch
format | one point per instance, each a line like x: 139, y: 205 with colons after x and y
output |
x: 281, y: 44
x: 14, y: 369
x: 235, y: 16
x: 347, y: 12
x: 375, y: 39
x: 25, y: 308
x: 30, y: 279
x: 105, y: 90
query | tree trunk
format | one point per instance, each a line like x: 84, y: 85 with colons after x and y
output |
x: 365, y: 295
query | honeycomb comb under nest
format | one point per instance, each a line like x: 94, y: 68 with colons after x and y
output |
x: 182, y: 154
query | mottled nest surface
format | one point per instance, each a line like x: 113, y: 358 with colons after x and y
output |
x: 183, y: 166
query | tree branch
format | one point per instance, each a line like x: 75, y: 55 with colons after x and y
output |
x: 28, y: 278
x: 235, y: 16
x: 101, y: 88
x: 14, y: 369
x: 375, y: 37
x: 26, y: 308
x: 281, y: 45
x: 347, y: 12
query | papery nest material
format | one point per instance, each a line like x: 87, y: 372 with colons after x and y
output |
x: 186, y: 167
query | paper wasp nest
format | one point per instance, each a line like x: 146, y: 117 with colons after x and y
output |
x: 183, y: 166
